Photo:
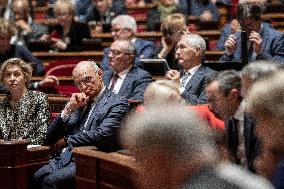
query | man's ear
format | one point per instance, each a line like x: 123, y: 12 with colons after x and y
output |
x: 235, y: 93
x: 100, y: 72
x: 197, y: 51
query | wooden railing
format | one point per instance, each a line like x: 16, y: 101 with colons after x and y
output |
x: 101, y: 170
x: 18, y: 164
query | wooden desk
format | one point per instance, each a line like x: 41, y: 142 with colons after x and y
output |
x: 101, y: 170
x: 97, y: 56
x: 48, y: 57
x: 18, y: 164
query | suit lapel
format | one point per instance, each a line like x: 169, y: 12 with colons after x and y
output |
x: 107, y: 77
x: 195, y: 78
x: 97, y: 107
x: 127, y: 80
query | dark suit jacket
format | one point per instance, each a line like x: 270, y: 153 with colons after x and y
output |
x: 252, y: 147
x: 102, y: 127
x: 272, y: 45
x: 117, y: 8
x: 134, y: 84
x: 22, y: 52
x: 195, y: 89
x: 142, y: 47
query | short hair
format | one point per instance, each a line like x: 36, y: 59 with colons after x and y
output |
x: 131, y: 48
x: 266, y: 97
x: 196, y: 41
x: 27, y: 69
x: 249, y: 10
x: 92, y: 63
x: 174, y: 23
x: 126, y: 22
x: 64, y: 5
x: 176, y: 130
x: 159, y: 92
x: 260, y: 69
x: 227, y: 80
x: 7, y: 28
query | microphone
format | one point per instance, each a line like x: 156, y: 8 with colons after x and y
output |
x: 244, y: 47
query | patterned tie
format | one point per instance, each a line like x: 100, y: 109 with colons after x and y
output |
x: 184, y: 78
x: 114, y: 80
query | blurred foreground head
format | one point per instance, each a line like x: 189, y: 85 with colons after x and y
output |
x: 169, y: 144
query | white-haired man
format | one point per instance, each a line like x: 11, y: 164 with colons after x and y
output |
x: 125, y: 27
x: 190, y: 52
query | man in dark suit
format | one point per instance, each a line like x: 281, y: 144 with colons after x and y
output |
x: 125, y: 78
x: 105, y: 11
x: 263, y: 42
x: 91, y: 117
x: 125, y: 27
x: 190, y: 52
x: 224, y: 96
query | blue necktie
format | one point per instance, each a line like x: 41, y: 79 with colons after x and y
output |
x: 184, y: 78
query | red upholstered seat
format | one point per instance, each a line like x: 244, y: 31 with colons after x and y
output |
x: 63, y: 68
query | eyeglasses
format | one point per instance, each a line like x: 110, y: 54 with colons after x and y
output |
x: 86, y: 81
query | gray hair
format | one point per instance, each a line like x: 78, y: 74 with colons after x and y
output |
x: 266, y: 97
x: 126, y: 22
x: 260, y: 69
x: 196, y: 41
x: 92, y: 63
x: 174, y: 129
x: 227, y: 80
x: 131, y: 48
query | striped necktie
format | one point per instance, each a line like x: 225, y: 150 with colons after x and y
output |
x: 184, y: 78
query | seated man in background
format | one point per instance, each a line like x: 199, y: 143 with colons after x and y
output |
x: 103, y: 12
x: 265, y: 102
x: 125, y: 78
x: 7, y: 51
x: 125, y: 27
x: 91, y: 117
x: 190, y: 52
x: 173, y: 27
x: 263, y: 42
x: 175, y: 149
x: 27, y: 29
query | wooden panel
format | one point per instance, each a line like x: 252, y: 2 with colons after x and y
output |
x: 17, y: 164
x: 13, y: 164
x: 103, y: 170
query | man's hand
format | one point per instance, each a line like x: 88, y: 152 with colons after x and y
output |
x: 231, y: 44
x: 77, y: 100
x: 206, y: 16
x: 167, y: 47
x: 23, y: 25
x: 256, y: 40
x: 49, y: 80
x: 173, y: 75
x: 58, y: 146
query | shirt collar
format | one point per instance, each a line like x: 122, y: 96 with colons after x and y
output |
x: 192, y: 70
x: 123, y: 73
x: 99, y: 95
x: 239, y: 115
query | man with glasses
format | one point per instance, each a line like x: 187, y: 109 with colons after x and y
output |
x: 125, y: 78
x: 125, y: 27
x: 263, y: 42
x: 190, y: 52
x: 90, y: 118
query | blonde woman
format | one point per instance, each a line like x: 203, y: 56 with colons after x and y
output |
x: 24, y: 114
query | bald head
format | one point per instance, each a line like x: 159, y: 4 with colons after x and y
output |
x: 88, y: 78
